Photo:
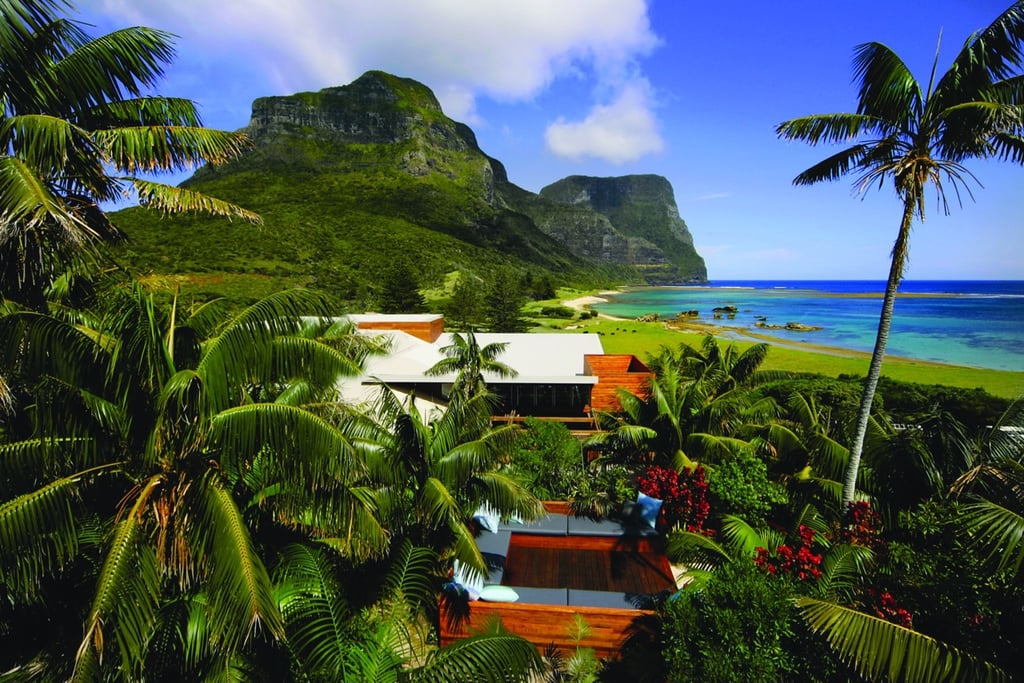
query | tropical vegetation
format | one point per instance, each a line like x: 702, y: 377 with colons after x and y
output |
x: 78, y: 127
x: 185, y: 496
x: 919, y: 138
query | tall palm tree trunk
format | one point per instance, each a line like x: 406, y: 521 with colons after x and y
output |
x: 899, y: 259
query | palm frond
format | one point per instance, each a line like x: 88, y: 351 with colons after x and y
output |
x: 242, y: 351
x: 880, y: 650
x: 998, y: 530
x: 237, y: 583
x: 496, y: 657
x: 833, y: 167
x: 507, y: 496
x: 171, y: 199
x: 695, y: 550
x: 843, y: 569
x: 437, y: 503
x: 126, y: 593
x: 988, y: 56
x: 42, y: 140
x: 165, y: 148
x: 413, y: 577
x: 146, y: 110
x: 312, y: 450
x: 38, y: 533
x: 315, y: 611
x: 743, y: 540
x: 888, y: 92
x: 33, y: 460
x: 828, y: 129
x: 107, y: 68
x: 29, y: 206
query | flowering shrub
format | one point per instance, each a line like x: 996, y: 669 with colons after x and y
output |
x: 684, y: 496
x: 883, y: 604
x: 863, y: 526
x: 802, y: 563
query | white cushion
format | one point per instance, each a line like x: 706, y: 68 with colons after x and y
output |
x: 487, y: 518
x: 495, y: 593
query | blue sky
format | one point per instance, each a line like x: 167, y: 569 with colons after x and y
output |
x: 690, y: 90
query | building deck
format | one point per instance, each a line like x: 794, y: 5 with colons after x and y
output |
x: 616, y: 565
x: 619, y: 571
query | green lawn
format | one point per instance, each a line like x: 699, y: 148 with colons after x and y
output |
x: 642, y: 339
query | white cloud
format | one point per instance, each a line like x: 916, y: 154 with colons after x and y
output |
x: 622, y: 131
x: 460, y: 48
x: 712, y: 196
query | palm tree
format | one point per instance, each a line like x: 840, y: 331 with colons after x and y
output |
x: 469, y: 361
x: 385, y: 643
x: 693, y: 407
x: 994, y: 487
x: 920, y: 138
x: 77, y: 126
x: 444, y: 468
x: 163, y: 449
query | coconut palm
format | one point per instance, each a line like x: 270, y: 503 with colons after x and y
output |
x: 693, y: 407
x: 470, y: 362
x: 444, y: 467
x: 78, y: 124
x: 919, y: 138
x: 163, y: 450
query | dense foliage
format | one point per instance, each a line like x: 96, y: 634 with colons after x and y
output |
x: 548, y: 459
x: 183, y: 495
x: 919, y: 139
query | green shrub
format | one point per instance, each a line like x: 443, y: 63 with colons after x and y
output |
x: 734, y: 629
x: 739, y: 485
x: 547, y: 459
x: 601, y: 492
x: 557, y: 312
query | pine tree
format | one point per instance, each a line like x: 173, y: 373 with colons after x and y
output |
x: 400, y: 291
x: 465, y: 311
x: 504, y: 301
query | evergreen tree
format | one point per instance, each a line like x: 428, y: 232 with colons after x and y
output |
x: 465, y: 311
x: 400, y: 291
x: 504, y: 301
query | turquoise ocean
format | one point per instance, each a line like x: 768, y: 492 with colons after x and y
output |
x: 971, y: 323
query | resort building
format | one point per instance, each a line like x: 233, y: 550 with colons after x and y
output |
x: 559, y: 376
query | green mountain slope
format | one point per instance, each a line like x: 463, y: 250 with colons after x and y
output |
x: 348, y: 181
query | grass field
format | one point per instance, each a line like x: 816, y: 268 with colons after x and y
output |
x: 643, y: 339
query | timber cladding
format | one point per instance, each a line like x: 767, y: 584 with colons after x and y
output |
x: 427, y: 330
x: 613, y: 372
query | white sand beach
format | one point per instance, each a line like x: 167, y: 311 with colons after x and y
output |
x: 582, y: 302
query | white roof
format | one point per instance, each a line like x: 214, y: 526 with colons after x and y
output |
x: 538, y: 358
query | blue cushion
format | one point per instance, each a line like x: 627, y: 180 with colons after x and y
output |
x: 649, y: 508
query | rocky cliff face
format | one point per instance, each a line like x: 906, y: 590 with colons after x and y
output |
x: 642, y: 210
x: 351, y: 178
x: 630, y: 221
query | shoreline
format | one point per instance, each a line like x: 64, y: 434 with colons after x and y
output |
x: 741, y: 334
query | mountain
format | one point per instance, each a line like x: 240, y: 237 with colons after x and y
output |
x: 352, y: 179
x: 642, y: 208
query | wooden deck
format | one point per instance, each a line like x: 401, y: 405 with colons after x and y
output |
x: 574, y: 562
x: 532, y: 563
